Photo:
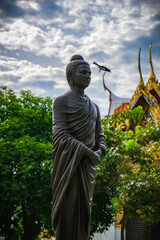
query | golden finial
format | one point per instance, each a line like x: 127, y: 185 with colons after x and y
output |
x: 141, y: 83
x: 105, y: 69
x: 105, y: 88
x: 152, y: 76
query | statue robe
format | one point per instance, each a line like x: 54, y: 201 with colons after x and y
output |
x: 76, y: 127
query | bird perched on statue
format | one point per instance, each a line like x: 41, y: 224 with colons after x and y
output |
x: 102, y: 68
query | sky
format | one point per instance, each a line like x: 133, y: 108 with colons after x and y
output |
x: 38, y: 38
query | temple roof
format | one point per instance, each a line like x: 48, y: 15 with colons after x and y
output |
x: 147, y: 96
x: 117, y: 103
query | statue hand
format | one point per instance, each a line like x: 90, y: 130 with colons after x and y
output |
x: 99, y: 152
x: 95, y: 157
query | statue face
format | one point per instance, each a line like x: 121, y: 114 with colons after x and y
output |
x: 82, y: 76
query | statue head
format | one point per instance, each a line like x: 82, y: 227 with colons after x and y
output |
x: 75, y: 61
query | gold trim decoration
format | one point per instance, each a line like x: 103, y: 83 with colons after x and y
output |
x: 152, y: 76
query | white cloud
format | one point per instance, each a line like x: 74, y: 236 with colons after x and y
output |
x: 98, y: 30
x: 77, y: 23
x: 28, y: 5
x: 107, y: 29
x: 74, y: 7
x: 20, y: 35
x: 25, y: 74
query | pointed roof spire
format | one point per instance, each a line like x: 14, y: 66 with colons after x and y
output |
x: 152, y: 76
x: 105, y: 88
x: 141, y: 83
x: 104, y: 85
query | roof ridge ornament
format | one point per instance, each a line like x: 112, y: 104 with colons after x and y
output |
x: 105, y: 69
x: 152, y: 76
x: 104, y: 85
x: 141, y: 83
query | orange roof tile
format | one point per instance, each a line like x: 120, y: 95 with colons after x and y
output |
x: 122, y: 107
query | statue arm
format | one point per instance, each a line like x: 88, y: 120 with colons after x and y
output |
x: 100, y: 139
x: 59, y: 122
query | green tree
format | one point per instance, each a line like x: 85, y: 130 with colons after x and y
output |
x: 128, y: 177
x: 129, y: 172
x: 25, y: 164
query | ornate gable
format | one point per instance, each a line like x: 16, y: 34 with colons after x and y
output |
x: 147, y: 96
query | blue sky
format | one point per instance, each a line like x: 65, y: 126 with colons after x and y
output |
x: 38, y: 37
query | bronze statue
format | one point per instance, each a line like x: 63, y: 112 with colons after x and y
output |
x: 78, y: 144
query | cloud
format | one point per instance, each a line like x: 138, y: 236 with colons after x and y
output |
x: 22, y: 8
x: 28, y: 5
x: 9, y: 8
x: 24, y: 74
x: 21, y: 35
x: 38, y: 38
x: 107, y: 31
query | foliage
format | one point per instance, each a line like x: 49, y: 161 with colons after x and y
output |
x: 25, y: 164
x: 130, y: 170
x: 128, y: 177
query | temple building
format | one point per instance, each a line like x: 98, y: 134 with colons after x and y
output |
x: 147, y: 96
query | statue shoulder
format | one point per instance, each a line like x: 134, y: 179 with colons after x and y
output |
x: 96, y: 106
x: 60, y: 101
